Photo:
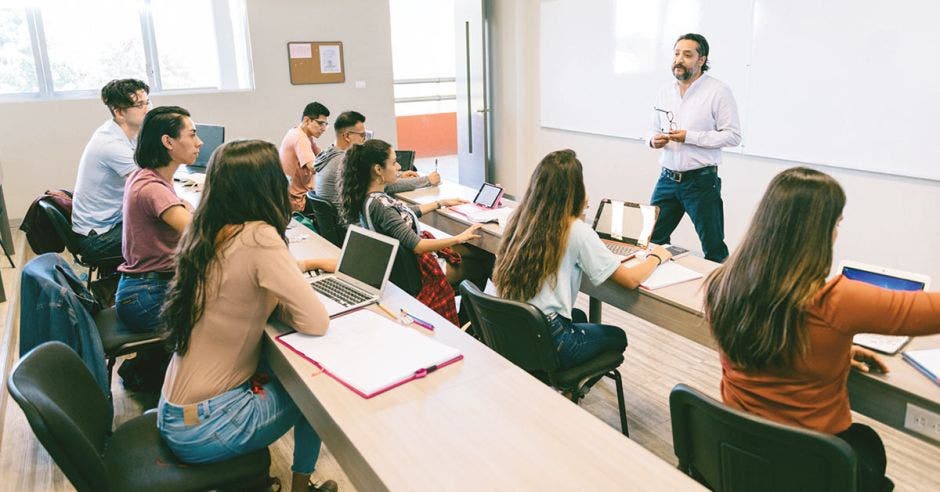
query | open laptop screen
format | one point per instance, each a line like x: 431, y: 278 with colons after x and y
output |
x: 365, y: 258
x: 635, y: 224
x: 212, y: 136
x: 881, y: 280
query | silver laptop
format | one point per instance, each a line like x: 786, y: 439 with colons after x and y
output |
x: 625, y: 227
x: 361, y: 273
x: 889, y: 279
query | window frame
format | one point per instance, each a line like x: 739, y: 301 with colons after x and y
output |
x: 227, y: 54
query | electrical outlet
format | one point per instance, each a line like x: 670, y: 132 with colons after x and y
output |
x: 922, y: 421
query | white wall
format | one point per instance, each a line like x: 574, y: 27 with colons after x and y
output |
x: 889, y: 220
x: 41, y: 142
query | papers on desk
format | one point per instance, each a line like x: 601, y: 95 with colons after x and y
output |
x: 669, y: 273
x: 926, y: 361
x: 481, y: 214
x: 191, y: 179
x: 370, y: 354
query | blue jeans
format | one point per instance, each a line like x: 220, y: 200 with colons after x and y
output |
x: 237, y: 422
x: 104, y: 248
x: 138, y: 302
x: 699, y: 194
x: 577, y: 342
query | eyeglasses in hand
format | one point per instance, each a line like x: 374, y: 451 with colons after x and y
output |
x: 673, y: 126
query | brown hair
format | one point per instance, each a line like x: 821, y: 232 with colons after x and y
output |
x: 756, y: 302
x: 536, y: 236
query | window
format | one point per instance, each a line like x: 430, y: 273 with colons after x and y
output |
x: 54, y: 48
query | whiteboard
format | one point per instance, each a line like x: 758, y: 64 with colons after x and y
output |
x: 838, y: 82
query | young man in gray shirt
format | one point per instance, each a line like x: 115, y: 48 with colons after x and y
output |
x: 350, y: 130
x: 105, y: 164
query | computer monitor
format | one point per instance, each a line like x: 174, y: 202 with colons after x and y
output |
x: 406, y: 159
x: 212, y: 136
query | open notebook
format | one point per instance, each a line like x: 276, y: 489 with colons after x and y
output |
x: 669, y: 273
x: 370, y: 354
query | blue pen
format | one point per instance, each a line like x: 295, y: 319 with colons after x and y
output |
x: 418, y: 321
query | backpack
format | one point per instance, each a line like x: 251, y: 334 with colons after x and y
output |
x: 40, y: 232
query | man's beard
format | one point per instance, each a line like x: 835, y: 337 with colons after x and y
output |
x: 685, y: 75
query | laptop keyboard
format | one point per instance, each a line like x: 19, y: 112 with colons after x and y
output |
x: 623, y: 249
x: 339, y: 291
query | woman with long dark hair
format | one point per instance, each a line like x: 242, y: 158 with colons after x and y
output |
x: 785, y: 333
x: 233, y: 269
x: 546, y: 248
x: 366, y: 171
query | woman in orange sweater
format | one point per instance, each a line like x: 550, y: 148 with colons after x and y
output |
x: 785, y: 333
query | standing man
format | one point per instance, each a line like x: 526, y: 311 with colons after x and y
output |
x: 692, y: 120
x: 298, y: 151
x: 106, y: 162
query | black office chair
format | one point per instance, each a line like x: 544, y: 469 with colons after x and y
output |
x: 117, y: 340
x: 72, y: 419
x: 326, y: 219
x: 726, y: 449
x: 63, y: 228
x: 520, y: 332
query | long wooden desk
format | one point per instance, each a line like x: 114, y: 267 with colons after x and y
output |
x: 481, y: 423
x: 678, y: 308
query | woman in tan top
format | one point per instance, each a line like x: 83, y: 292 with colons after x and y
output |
x: 233, y: 269
x: 786, y: 334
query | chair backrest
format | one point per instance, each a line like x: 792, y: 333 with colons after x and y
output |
x: 516, y: 330
x: 67, y: 411
x: 327, y: 218
x: 727, y: 449
x: 62, y: 226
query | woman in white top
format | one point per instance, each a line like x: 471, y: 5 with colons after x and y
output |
x: 546, y: 248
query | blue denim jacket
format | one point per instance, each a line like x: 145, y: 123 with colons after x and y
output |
x: 55, y: 305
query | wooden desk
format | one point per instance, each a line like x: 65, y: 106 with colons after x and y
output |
x: 481, y: 423
x: 678, y: 308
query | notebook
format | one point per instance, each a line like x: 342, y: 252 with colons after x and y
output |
x: 889, y: 279
x: 370, y: 354
x: 926, y: 361
x: 669, y: 273
x: 361, y: 273
x: 485, y: 206
x: 625, y: 227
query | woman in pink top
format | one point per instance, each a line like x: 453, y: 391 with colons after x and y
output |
x: 233, y: 269
x: 785, y: 333
x: 154, y: 218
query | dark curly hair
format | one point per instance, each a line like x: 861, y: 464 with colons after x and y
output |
x: 355, y: 176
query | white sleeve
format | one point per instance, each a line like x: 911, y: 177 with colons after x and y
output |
x: 727, y: 132
x: 594, y: 259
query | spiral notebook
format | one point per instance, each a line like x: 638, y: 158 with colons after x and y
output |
x: 370, y: 354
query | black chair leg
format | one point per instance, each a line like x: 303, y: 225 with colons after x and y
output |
x: 111, y: 361
x: 615, y: 375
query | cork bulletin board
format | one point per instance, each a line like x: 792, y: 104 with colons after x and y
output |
x: 316, y: 62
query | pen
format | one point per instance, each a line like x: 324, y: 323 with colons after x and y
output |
x: 417, y: 321
x: 387, y: 311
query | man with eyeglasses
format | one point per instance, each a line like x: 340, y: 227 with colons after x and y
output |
x: 104, y: 166
x: 351, y: 130
x: 693, y: 118
x: 298, y: 151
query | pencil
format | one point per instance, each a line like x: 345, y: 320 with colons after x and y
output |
x: 387, y: 311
